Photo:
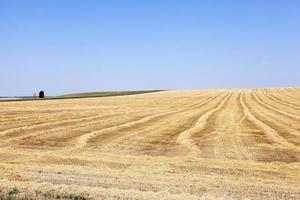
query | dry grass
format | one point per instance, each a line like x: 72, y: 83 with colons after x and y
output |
x: 214, y: 144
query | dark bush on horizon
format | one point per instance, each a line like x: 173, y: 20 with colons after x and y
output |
x: 41, y: 94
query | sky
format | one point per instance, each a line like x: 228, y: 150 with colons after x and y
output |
x: 66, y: 46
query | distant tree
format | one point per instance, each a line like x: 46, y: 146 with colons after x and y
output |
x: 41, y: 94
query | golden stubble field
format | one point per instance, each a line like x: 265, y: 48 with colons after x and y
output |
x: 209, y: 144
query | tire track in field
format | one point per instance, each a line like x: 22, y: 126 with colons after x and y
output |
x: 205, y: 138
x: 250, y: 130
x: 149, y: 138
x: 44, y: 125
x: 16, y: 122
x: 63, y: 135
x: 275, y: 109
x: 199, y: 105
x: 279, y: 122
x: 272, y: 152
x: 228, y: 134
x: 271, y: 133
x: 62, y: 126
x: 185, y: 137
x: 221, y: 138
x: 293, y: 91
x: 83, y: 140
x: 67, y: 133
x: 256, y: 138
x: 86, y: 138
x: 55, y: 122
x: 29, y: 129
x: 289, y: 94
x: 281, y: 101
x: 284, y: 97
x: 39, y: 119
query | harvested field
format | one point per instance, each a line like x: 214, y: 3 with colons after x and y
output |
x: 209, y: 144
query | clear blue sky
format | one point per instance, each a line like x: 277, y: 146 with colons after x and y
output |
x: 73, y: 46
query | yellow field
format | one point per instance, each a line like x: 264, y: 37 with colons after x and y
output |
x: 213, y: 144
